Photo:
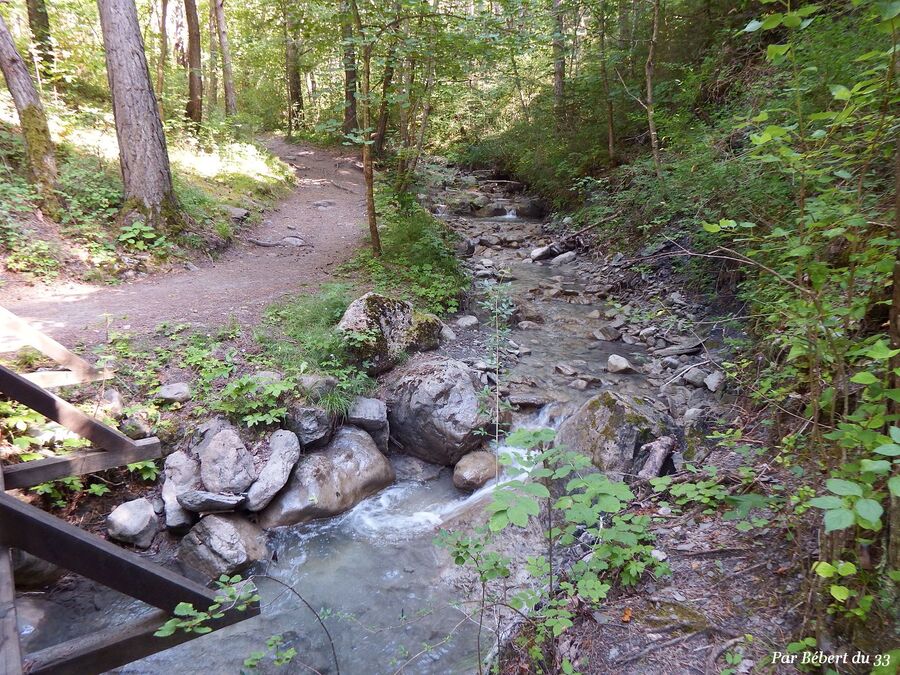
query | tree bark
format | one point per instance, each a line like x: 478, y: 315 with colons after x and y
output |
x: 143, y: 157
x: 227, y: 77
x: 194, y: 108
x: 648, y: 73
x: 39, y: 150
x: 365, y: 110
x: 350, y: 86
x: 604, y: 77
x: 212, y: 81
x: 163, y: 55
x: 294, y: 77
x: 559, y: 61
x: 39, y: 23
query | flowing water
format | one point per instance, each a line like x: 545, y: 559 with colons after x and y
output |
x: 374, y: 573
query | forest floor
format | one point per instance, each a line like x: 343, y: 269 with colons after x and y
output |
x: 324, y: 210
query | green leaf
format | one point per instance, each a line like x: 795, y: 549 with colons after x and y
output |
x: 864, y: 378
x: 828, y: 502
x: 753, y: 26
x: 712, y: 227
x: 838, y: 519
x: 792, y: 20
x: 824, y: 569
x: 875, y: 466
x: 881, y: 352
x: 772, y: 21
x: 895, y: 434
x: 894, y: 485
x: 845, y: 569
x: 839, y: 92
x: 842, y: 487
x: 839, y: 593
x: 888, y: 449
x: 869, y: 509
x: 775, y: 52
x: 807, y: 10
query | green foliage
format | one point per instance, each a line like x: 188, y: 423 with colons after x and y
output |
x: 253, y: 400
x: 234, y: 593
x: 138, y: 236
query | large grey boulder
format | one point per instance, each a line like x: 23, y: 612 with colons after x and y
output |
x: 201, y: 501
x: 332, y: 481
x: 434, y: 410
x: 475, y: 470
x: 313, y: 426
x: 380, y: 331
x: 133, y: 522
x: 284, y: 453
x: 222, y: 545
x: 176, y: 392
x: 225, y: 463
x: 610, y: 428
x: 371, y: 414
x: 182, y: 474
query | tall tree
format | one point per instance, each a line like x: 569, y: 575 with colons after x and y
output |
x: 163, y: 54
x: 604, y: 78
x: 39, y: 23
x: 350, y: 86
x: 39, y: 148
x: 143, y: 157
x: 212, y: 80
x: 559, y: 60
x: 227, y: 77
x: 649, y: 68
x: 194, y: 108
x: 292, y: 71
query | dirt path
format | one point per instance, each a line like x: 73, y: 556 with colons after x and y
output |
x: 325, y: 210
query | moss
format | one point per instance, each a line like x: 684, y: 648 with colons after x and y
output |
x: 166, y: 217
x: 41, y: 156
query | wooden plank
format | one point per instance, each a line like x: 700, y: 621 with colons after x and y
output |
x: 51, y: 379
x: 10, y: 651
x: 104, y: 650
x: 29, y: 474
x: 28, y: 528
x: 53, y: 407
x: 13, y: 325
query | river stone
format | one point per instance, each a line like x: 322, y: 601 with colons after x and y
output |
x: 182, y: 473
x: 316, y: 386
x: 714, y: 380
x: 610, y: 428
x: 222, y: 545
x: 618, y: 364
x: 284, y: 453
x: 491, y: 210
x: 135, y: 427
x: 313, y: 426
x: 177, y: 392
x: 331, y: 481
x: 474, y: 470
x: 133, y: 522
x: 466, y: 321
x: 201, y: 501
x: 608, y: 333
x: 545, y: 252
x: 30, y: 571
x: 236, y: 213
x: 387, y: 330
x: 696, y: 377
x: 371, y: 414
x: 435, y: 411
x: 225, y: 463
x: 563, y: 258
x: 413, y: 468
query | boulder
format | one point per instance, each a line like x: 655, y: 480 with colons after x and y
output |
x: 475, y: 470
x: 608, y: 333
x: 545, y: 252
x: 133, y: 522
x: 564, y: 258
x: 284, y: 453
x: 466, y: 321
x: 380, y: 331
x: 618, y: 364
x: 30, y: 571
x: 316, y: 386
x: 236, y: 213
x: 313, y: 426
x: 201, y: 501
x: 182, y: 474
x: 371, y: 415
x: 177, y: 392
x: 413, y: 468
x: 491, y: 210
x: 225, y: 463
x: 136, y: 427
x: 222, y: 545
x: 528, y: 208
x: 331, y: 481
x: 435, y: 411
x: 610, y: 428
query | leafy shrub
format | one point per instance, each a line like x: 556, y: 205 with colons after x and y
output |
x: 253, y: 401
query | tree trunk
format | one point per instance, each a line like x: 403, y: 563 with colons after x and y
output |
x: 39, y: 150
x: 163, y: 55
x: 39, y: 23
x: 350, y: 121
x: 365, y: 110
x: 604, y: 77
x: 143, y: 157
x: 294, y: 78
x: 559, y: 62
x: 194, y: 109
x: 227, y: 78
x: 381, y: 128
x: 648, y: 72
x: 212, y: 81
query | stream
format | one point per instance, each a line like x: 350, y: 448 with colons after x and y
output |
x: 383, y: 588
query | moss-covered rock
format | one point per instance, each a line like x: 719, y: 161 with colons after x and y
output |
x: 610, y: 428
x: 380, y: 331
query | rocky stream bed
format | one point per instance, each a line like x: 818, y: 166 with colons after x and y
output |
x: 345, y: 511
